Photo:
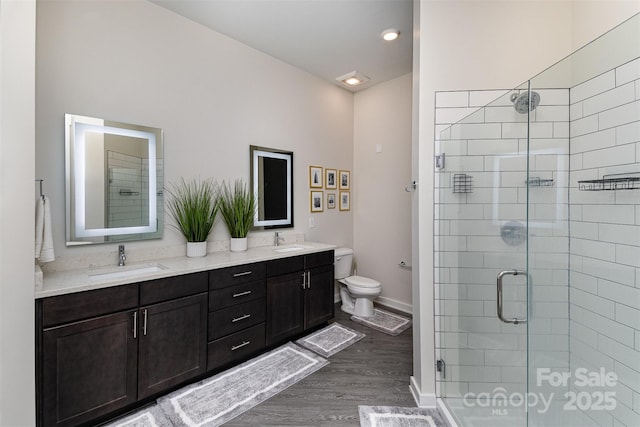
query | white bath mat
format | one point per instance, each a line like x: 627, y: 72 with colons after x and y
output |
x: 331, y: 339
x: 384, y: 321
x: 224, y: 396
x: 393, y: 416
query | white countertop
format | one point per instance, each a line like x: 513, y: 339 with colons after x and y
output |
x: 65, y: 282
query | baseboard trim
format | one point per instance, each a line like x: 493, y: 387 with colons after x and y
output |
x: 395, y: 304
x: 423, y: 400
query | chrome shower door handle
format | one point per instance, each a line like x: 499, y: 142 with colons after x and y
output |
x: 515, y: 320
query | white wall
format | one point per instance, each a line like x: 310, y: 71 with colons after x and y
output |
x: 484, y: 45
x: 136, y: 62
x: 382, y: 214
x: 17, y: 118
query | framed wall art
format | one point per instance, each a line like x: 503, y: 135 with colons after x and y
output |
x: 315, y: 177
x: 345, y: 180
x: 331, y: 179
x: 331, y: 200
x: 316, y: 201
x: 345, y: 201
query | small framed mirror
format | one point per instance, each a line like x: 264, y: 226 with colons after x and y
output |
x: 272, y: 182
x: 114, y: 181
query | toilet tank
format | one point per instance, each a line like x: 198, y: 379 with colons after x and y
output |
x: 343, y: 260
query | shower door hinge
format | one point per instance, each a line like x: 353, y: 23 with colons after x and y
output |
x: 441, y: 367
x: 440, y: 161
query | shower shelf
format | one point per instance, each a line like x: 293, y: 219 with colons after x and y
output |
x: 536, y: 181
x: 462, y: 183
x: 619, y: 181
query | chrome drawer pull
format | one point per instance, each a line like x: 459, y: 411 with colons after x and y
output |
x: 244, y: 273
x: 237, y: 319
x: 241, y: 294
x: 235, y: 347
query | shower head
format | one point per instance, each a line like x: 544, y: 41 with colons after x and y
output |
x: 523, y: 102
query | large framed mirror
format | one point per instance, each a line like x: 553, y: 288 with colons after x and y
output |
x: 114, y: 181
x: 272, y: 182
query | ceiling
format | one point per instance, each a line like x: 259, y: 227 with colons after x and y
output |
x: 327, y: 38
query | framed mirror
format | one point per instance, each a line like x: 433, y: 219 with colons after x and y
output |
x: 272, y: 182
x: 114, y: 181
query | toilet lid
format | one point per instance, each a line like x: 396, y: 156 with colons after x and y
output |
x: 363, y: 282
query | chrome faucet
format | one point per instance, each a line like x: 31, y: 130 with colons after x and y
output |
x: 121, y: 256
x: 277, y: 239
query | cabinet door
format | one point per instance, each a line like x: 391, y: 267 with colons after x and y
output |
x: 89, y: 369
x: 318, y: 306
x: 173, y: 343
x: 284, y: 307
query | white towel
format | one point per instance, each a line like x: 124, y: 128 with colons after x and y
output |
x: 44, y: 236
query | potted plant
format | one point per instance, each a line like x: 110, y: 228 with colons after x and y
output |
x: 237, y: 207
x: 193, y: 205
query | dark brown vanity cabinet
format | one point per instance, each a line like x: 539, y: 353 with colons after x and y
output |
x: 172, y: 332
x: 299, y: 294
x: 102, y: 350
x: 237, y: 312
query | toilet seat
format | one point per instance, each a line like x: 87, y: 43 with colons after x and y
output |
x: 362, y: 282
x: 359, y: 285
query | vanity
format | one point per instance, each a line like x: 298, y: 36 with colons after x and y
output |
x: 110, y: 341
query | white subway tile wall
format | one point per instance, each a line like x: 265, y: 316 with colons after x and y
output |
x: 605, y: 237
x: 490, y: 144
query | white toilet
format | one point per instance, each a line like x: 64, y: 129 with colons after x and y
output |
x: 357, y: 292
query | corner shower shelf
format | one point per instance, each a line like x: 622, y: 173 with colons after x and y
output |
x: 536, y: 181
x: 462, y: 183
x: 618, y: 181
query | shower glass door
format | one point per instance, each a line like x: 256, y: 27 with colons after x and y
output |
x: 481, y: 256
x: 537, y: 279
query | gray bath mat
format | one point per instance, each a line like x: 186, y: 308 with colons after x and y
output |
x: 224, y: 396
x: 146, y: 417
x: 384, y: 321
x: 330, y: 340
x: 393, y: 416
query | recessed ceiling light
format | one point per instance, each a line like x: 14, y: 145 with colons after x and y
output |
x: 390, y: 34
x: 353, y: 78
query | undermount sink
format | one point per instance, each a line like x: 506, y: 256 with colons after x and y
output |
x: 285, y: 249
x: 123, y: 272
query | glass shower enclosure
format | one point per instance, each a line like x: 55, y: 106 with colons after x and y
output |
x: 537, y: 223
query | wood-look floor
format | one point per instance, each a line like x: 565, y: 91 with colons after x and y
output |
x: 374, y: 371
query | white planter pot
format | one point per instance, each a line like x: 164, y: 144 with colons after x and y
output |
x: 238, y: 244
x: 196, y: 249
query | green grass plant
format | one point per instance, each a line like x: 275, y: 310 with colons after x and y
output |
x: 237, y: 207
x: 193, y: 205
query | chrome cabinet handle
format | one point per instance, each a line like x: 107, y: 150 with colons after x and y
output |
x: 244, y: 273
x: 308, y: 280
x: 237, y: 319
x: 135, y: 325
x: 241, y: 294
x: 304, y: 280
x: 235, y: 347
x: 144, y: 322
x: 515, y: 320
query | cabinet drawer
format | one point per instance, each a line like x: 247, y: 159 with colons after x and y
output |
x: 223, y: 277
x: 235, y: 346
x: 278, y: 267
x: 170, y: 288
x: 83, y: 305
x: 318, y: 259
x: 233, y: 319
x: 238, y: 294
